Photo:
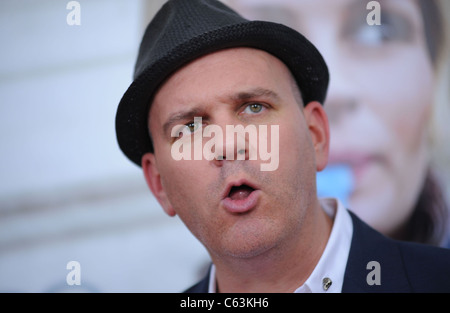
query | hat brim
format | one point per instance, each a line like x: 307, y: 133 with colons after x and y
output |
x: 300, y: 56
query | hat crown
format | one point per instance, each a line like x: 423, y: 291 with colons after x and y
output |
x: 177, y: 22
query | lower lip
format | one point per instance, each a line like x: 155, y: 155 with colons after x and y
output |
x: 359, y: 165
x: 241, y: 206
x: 361, y: 169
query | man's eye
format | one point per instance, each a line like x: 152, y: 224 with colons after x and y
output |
x: 192, y: 126
x: 254, y: 108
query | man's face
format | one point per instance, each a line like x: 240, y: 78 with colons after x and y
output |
x: 231, y: 206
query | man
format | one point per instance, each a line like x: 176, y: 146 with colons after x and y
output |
x: 203, y: 67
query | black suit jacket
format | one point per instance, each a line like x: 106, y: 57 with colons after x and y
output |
x: 404, y: 267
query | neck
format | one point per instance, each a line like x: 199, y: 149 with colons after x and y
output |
x: 282, y: 268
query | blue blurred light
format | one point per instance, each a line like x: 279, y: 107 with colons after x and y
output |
x: 336, y: 181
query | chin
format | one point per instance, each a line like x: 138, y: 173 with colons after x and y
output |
x: 247, y: 252
x: 250, y: 241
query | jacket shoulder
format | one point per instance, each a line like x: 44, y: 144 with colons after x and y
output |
x: 427, y: 267
x: 403, y: 266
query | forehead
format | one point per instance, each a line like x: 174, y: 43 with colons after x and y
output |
x: 217, y: 76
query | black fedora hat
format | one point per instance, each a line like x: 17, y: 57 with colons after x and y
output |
x: 184, y: 30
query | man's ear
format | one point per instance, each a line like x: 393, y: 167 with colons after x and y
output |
x: 153, y: 178
x: 317, y: 122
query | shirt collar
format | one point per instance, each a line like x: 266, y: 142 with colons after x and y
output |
x: 328, y: 275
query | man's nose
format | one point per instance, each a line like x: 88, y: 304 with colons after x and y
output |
x: 235, y: 143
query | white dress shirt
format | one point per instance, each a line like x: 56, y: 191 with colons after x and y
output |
x: 328, y: 275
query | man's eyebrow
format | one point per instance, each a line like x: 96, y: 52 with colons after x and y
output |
x: 176, y: 118
x: 255, y: 93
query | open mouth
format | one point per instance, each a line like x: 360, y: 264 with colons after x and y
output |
x: 240, y: 197
x: 240, y: 192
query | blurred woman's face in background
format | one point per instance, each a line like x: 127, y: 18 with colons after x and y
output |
x: 379, y: 99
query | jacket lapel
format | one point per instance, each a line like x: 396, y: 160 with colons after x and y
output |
x: 368, y: 245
